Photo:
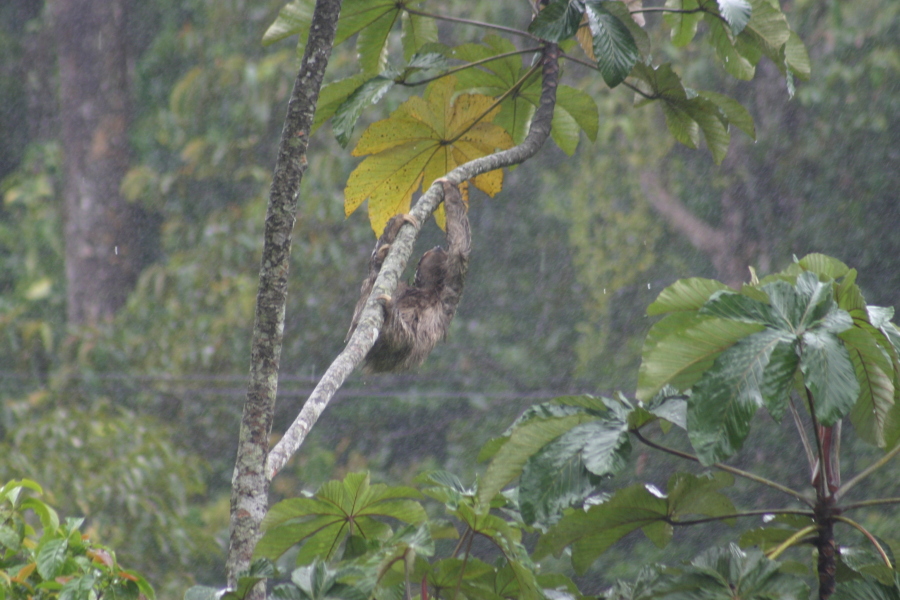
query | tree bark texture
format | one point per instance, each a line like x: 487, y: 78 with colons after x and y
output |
x: 372, y: 317
x: 102, y: 230
x: 250, y: 487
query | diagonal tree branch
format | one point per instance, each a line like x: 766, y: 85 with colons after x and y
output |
x: 702, y: 236
x: 372, y: 316
x: 250, y: 487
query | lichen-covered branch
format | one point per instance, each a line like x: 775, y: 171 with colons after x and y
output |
x: 372, y: 317
x: 250, y: 488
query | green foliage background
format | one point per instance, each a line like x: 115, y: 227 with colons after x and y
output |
x: 565, y: 262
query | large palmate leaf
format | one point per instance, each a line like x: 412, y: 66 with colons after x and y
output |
x: 422, y: 140
x: 575, y: 110
x: 680, y: 348
x: 728, y: 573
x: 613, y: 44
x: 339, y: 509
x: 558, y: 21
x: 590, y: 533
x: 729, y: 394
x: 522, y: 443
x: 796, y: 322
x: 568, y: 469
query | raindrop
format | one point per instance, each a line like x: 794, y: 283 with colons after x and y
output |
x: 648, y: 285
x: 117, y: 250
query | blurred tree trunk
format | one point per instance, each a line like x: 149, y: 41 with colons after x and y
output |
x: 102, y: 230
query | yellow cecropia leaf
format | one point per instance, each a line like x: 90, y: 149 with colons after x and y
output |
x: 424, y: 139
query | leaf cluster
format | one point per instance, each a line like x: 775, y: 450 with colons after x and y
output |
x: 424, y: 145
x: 42, y: 558
x: 349, y: 545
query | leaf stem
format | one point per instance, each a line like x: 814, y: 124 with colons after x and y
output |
x: 747, y: 513
x: 591, y: 65
x: 865, y: 532
x: 683, y: 11
x: 798, y: 422
x: 516, y: 86
x: 462, y: 569
x: 866, y: 472
x: 774, y: 554
x: 726, y: 468
x: 476, y: 63
x: 820, y: 477
x: 510, y: 30
x: 875, y: 502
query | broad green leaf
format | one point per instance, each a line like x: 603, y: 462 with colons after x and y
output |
x: 339, y: 509
x: 202, y: 592
x: 683, y: 24
x: 736, y: 114
x: 727, y: 304
x: 685, y: 294
x: 735, y: 63
x: 728, y: 573
x: 48, y: 516
x: 829, y: 375
x: 661, y: 81
x: 614, y: 46
x: 728, y: 395
x: 797, y: 57
x: 370, y: 92
x: 849, y: 297
x: 778, y: 378
x: 807, y: 304
x: 447, y: 572
x: 371, y: 44
x: 293, y: 19
x: 50, y: 557
x: 689, y: 494
x: 765, y: 34
x: 623, y: 13
x: 555, y: 478
x: 582, y: 107
x: 713, y: 125
x: 681, y: 347
x: 560, y: 474
x: 736, y: 12
x: 524, y: 442
x: 665, y: 406
x: 680, y: 124
x: 417, y: 32
x: 557, y: 21
x: 866, y: 589
x: 866, y: 561
x: 360, y: 14
x: 824, y: 266
x: 875, y: 412
x: 565, y: 131
x: 590, y: 533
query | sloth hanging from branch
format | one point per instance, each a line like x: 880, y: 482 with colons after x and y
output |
x: 417, y: 317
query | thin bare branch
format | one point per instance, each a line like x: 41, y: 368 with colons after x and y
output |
x: 436, y: 17
x: 842, y: 491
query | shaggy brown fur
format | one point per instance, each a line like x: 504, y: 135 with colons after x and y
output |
x: 418, y: 316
